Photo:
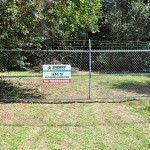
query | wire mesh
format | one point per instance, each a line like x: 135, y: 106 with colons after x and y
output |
x: 120, y: 74
x: 25, y: 81
x: 99, y: 70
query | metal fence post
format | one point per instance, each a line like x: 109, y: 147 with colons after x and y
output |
x: 90, y: 69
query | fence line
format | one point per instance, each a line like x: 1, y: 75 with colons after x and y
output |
x: 102, y: 72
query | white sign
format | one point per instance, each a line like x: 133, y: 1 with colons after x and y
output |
x: 57, y: 73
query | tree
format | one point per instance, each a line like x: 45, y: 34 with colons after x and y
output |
x: 125, y: 21
x: 34, y: 24
x: 129, y: 20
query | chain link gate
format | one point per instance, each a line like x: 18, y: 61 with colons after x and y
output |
x: 100, y: 70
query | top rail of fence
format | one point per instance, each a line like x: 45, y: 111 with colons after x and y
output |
x: 76, y: 50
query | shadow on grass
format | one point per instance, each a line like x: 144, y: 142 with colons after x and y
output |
x: 135, y: 87
x: 8, y: 90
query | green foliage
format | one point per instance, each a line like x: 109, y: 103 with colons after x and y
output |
x: 76, y: 16
x: 13, y: 61
x: 33, y: 24
x: 36, y: 24
x: 128, y: 21
x: 28, y: 24
x: 129, y: 62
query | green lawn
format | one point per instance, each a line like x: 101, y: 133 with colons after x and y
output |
x: 76, y: 126
x: 101, y: 87
x: 140, y: 107
x: 97, y: 126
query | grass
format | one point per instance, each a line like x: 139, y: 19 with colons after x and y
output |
x: 140, y: 107
x: 12, y: 139
x: 75, y: 126
x: 101, y: 87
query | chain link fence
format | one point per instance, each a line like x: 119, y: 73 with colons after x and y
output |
x: 99, y: 70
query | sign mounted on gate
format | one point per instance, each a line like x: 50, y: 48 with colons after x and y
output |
x: 57, y: 73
